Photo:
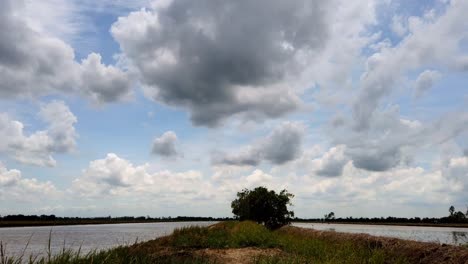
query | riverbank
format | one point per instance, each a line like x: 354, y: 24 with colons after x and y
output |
x: 5, y: 224
x: 462, y: 225
x: 247, y: 242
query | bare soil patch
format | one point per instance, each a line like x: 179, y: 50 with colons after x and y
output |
x: 238, y: 255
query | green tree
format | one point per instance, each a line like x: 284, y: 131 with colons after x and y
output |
x: 451, y: 210
x: 263, y: 206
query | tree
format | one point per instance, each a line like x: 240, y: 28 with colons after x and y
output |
x: 263, y: 206
x: 330, y: 216
x: 451, y: 210
x: 460, y: 216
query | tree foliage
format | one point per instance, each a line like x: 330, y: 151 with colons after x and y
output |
x: 458, y: 216
x: 451, y: 210
x: 329, y: 216
x: 263, y: 206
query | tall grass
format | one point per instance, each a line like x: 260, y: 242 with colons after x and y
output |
x: 119, y: 255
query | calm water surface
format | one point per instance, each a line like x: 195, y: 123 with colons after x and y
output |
x: 447, y: 235
x: 88, y: 237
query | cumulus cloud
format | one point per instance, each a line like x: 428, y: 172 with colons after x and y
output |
x: 332, y: 162
x: 16, y: 188
x: 398, y: 25
x: 420, y: 48
x: 391, y: 141
x: 165, y: 145
x: 38, y: 147
x: 116, y: 176
x: 356, y: 192
x: 425, y: 81
x: 457, y: 171
x: 218, y: 58
x: 33, y: 64
x: 383, y: 145
x: 283, y: 144
x: 101, y: 83
x: 8, y: 177
x: 248, y: 179
x: 403, y: 186
x: 61, y: 128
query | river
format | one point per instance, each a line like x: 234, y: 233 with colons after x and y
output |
x: 34, y: 240
x: 443, y: 235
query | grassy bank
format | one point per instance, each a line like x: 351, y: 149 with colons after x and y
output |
x: 247, y: 242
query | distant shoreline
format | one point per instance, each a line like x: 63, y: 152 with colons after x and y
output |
x: 463, y: 225
x: 11, y: 224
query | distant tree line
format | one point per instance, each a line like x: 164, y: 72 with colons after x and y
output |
x: 108, y: 219
x: 454, y: 217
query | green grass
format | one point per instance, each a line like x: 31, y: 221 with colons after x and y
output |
x: 295, y: 247
x: 224, y: 235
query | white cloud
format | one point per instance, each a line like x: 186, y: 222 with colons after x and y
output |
x: 331, y: 164
x: 356, y: 192
x: 118, y: 177
x: 373, y: 194
x: 33, y: 64
x: 398, y: 26
x: 38, y: 147
x: 16, y: 188
x: 421, y: 47
x: 457, y: 171
x: 425, y: 81
x: 9, y: 177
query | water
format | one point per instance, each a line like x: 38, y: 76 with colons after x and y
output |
x: 446, y: 235
x: 88, y: 237
x: 97, y: 237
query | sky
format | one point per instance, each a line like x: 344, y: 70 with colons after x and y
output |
x: 169, y: 108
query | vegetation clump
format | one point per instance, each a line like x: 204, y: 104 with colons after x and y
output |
x: 263, y: 206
